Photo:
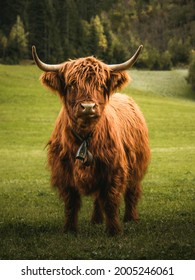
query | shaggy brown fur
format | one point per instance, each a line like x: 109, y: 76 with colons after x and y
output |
x: 119, y: 143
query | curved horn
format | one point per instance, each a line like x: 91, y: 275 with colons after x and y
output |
x: 127, y: 64
x: 43, y: 66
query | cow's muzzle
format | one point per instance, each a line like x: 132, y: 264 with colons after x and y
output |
x: 88, y: 110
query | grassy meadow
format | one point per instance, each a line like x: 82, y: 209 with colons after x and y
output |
x: 31, y: 214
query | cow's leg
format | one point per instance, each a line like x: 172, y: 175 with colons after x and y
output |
x: 97, y: 215
x: 110, y: 203
x: 131, y: 198
x: 72, y: 205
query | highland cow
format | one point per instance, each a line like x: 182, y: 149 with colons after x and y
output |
x: 99, y: 145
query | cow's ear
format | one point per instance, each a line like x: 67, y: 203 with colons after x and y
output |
x: 53, y: 81
x: 118, y: 80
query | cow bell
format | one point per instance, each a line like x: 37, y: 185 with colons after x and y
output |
x: 82, y: 151
x: 84, y: 155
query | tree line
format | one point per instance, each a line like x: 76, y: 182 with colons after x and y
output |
x: 109, y: 29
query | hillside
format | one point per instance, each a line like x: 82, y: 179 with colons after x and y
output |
x: 163, y: 83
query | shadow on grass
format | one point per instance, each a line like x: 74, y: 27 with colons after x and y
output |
x: 149, y: 239
x: 24, y: 229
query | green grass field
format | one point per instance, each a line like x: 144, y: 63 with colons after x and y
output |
x: 31, y: 214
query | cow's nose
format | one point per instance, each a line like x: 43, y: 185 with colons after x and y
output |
x: 88, y: 107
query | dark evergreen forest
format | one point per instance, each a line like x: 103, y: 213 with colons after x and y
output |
x: 108, y: 29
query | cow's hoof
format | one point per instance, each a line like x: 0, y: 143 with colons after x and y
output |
x: 70, y: 229
x: 114, y: 231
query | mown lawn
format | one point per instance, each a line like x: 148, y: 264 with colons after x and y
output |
x: 31, y: 214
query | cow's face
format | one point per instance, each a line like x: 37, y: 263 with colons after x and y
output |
x: 84, y: 86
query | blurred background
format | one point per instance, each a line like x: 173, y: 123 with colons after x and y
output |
x: 110, y: 30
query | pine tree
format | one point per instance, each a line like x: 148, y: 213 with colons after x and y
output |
x: 17, y: 45
x: 97, y: 38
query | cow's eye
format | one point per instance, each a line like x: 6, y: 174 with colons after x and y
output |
x: 71, y: 87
